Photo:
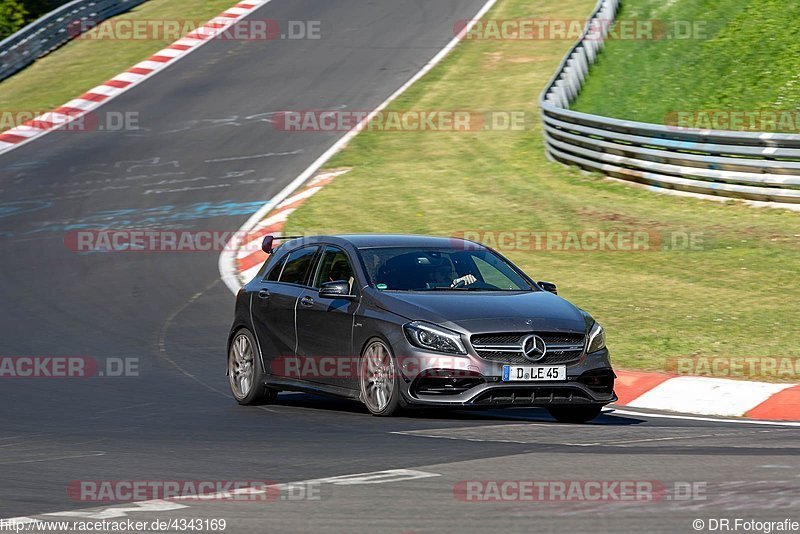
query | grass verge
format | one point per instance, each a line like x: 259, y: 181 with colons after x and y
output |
x: 735, y: 296
x: 84, y: 63
x: 741, y: 55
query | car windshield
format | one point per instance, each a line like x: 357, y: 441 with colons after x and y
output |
x: 440, y: 269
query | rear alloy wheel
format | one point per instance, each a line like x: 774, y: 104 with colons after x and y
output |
x: 380, y: 384
x: 245, y: 375
x: 575, y: 414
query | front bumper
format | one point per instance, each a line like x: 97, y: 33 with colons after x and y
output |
x: 430, y: 379
x: 540, y: 394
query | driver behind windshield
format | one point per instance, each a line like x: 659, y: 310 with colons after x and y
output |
x: 434, y: 270
x: 404, y: 269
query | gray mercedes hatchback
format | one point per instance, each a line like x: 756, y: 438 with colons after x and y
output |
x: 399, y: 321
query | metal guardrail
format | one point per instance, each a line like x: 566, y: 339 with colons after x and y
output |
x: 749, y: 165
x: 44, y: 35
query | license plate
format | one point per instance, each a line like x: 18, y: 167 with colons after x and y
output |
x: 514, y: 373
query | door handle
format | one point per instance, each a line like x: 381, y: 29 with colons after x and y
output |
x: 263, y: 294
x: 306, y: 301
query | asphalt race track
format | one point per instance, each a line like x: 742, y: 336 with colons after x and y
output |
x: 205, y: 158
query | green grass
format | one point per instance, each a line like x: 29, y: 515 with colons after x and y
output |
x: 736, y: 297
x: 747, y: 58
x: 83, y: 63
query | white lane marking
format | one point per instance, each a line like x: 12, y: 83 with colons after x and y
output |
x: 160, y: 505
x: 358, y: 479
x: 37, y: 434
x: 458, y: 438
x: 227, y: 260
x: 131, y: 407
x: 707, y: 396
x: 618, y: 443
x: 704, y: 419
x: 417, y: 433
x: 115, y: 512
x: 53, y: 458
x: 255, y: 156
x: 522, y: 442
x: 162, y: 343
x: 378, y: 477
x: 644, y: 440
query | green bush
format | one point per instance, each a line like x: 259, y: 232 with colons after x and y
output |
x: 12, y: 17
x: 14, y: 14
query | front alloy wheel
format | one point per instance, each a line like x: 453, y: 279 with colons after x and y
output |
x: 245, y: 375
x: 380, y: 384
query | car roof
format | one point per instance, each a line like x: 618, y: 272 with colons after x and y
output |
x: 389, y: 240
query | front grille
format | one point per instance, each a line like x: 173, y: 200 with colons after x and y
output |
x: 496, y: 339
x: 562, y: 348
x: 554, y: 338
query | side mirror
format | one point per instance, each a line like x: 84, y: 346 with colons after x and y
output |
x: 266, y: 245
x: 548, y: 286
x: 335, y: 290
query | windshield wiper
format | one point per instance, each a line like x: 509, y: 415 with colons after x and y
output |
x: 463, y: 288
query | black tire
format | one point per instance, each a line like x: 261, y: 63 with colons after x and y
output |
x: 575, y: 414
x: 243, y: 347
x: 394, y: 404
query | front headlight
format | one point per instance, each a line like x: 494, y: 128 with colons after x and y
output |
x: 597, y: 339
x: 428, y: 336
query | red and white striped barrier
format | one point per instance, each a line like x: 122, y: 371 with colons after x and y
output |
x: 709, y: 396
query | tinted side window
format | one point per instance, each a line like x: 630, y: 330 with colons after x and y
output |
x: 333, y: 267
x: 297, y: 266
x: 275, y: 272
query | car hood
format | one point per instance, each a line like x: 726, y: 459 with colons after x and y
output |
x: 479, y: 312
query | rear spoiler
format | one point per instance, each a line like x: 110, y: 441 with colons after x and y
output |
x: 266, y: 245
